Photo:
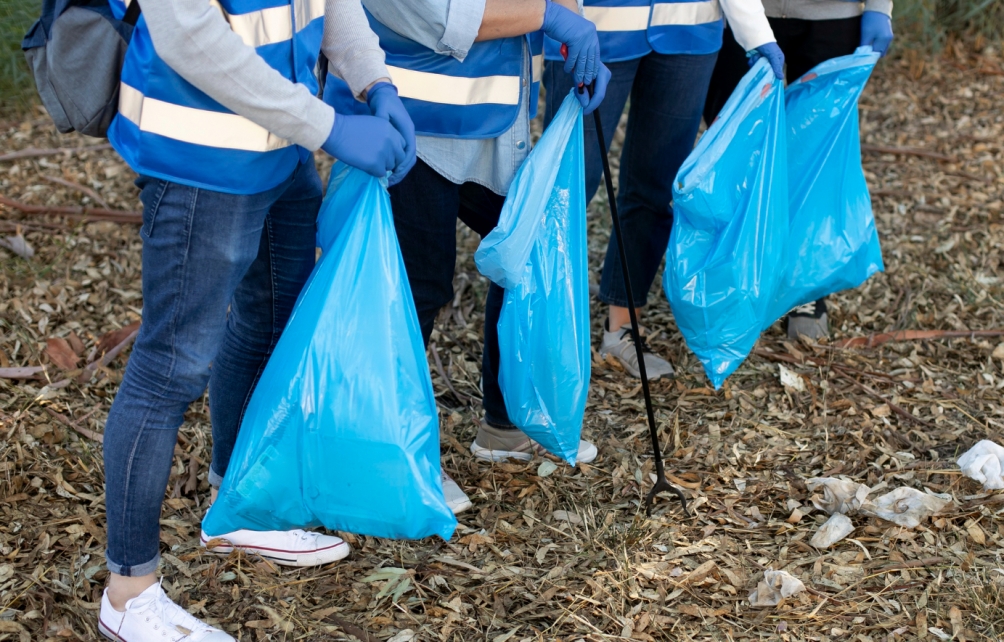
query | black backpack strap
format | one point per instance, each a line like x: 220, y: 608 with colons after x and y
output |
x: 132, y: 13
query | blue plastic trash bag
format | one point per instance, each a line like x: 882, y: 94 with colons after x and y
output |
x: 730, y: 209
x: 342, y: 430
x: 538, y: 254
x: 833, y: 244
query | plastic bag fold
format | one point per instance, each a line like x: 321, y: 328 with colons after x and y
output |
x: 538, y: 254
x: 342, y: 429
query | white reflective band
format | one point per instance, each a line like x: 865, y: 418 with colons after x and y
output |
x: 685, y: 13
x: 196, y: 126
x: 455, y: 90
x: 618, y: 18
x: 537, y: 68
x: 272, y: 25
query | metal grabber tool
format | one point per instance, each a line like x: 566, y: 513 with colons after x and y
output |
x: 660, y: 483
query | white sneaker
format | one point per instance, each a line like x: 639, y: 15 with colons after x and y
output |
x: 153, y: 617
x: 495, y: 444
x: 285, y: 548
x: 456, y: 499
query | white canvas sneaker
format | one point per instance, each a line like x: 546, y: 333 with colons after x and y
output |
x: 285, y: 548
x: 456, y: 499
x: 153, y: 617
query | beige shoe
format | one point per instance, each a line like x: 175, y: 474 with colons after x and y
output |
x: 456, y: 499
x: 495, y: 444
x: 620, y: 345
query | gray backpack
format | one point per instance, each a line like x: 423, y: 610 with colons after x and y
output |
x: 75, y: 51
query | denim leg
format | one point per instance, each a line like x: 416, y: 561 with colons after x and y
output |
x: 480, y: 209
x: 197, y: 244
x: 260, y: 308
x: 558, y: 84
x: 425, y: 217
x: 666, y: 103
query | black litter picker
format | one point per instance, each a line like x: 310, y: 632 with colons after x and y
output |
x: 661, y: 484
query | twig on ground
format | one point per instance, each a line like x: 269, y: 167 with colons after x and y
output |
x: 906, y: 151
x: 34, y: 152
x: 28, y: 372
x: 83, y: 189
x: 86, y: 432
x: 874, y: 340
x: 86, y: 213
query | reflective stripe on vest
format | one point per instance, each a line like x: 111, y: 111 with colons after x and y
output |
x: 169, y: 129
x: 629, y: 29
x: 476, y: 98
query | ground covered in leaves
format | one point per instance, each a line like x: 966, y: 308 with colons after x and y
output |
x: 568, y: 554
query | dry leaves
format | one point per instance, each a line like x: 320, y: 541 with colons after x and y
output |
x: 552, y: 553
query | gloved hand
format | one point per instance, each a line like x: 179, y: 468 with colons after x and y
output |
x: 367, y: 142
x: 876, y: 30
x: 599, y: 91
x: 384, y: 103
x: 579, y: 35
x: 774, y: 56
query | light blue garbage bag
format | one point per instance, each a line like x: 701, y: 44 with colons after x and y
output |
x: 342, y: 430
x: 730, y: 226
x: 538, y: 254
x: 833, y: 244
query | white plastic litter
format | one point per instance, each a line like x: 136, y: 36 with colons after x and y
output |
x: 906, y: 507
x: 839, y: 495
x: 835, y: 529
x: 775, y: 586
x: 984, y: 463
x: 18, y: 245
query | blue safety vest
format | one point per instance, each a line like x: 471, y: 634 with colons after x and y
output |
x: 476, y: 98
x: 169, y: 129
x: 630, y: 29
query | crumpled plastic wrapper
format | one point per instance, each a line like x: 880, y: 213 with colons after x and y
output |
x: 906, y: 507
x: 839, y: 495
x: 835, y: 529
x: 984, y: 462
x: 774, y: 587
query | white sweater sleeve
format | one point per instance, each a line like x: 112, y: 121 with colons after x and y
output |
x: 353, y: 50
x: 194, y: 39
x: 748, y: 22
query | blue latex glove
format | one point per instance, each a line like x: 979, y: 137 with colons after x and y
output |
x: 384, y: 103
x: 367, y: 142
x: 579, y: 35
x: 876, y: 31
x: 774, y: 56
x: 589, y: 104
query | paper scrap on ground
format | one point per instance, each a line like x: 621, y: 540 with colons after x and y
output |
x: 791, y: 379
x: 983, y: 462
x: 906, y: 507
x: 18, y: 245
x: 839, y: 495
x: 774, y: 587
x: 835, y: 529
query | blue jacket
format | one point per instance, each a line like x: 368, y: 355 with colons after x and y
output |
x: 169, y: 129
x: 630, y: 29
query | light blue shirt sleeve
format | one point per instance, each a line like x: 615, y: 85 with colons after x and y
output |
x: 447, y: 27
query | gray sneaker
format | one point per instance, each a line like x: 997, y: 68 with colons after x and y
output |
x: 456, y: 499
x: 620, y: 345
x: 809, y: 319
x: 496, y: 444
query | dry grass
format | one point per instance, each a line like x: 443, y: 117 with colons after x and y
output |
x: 571, y: 556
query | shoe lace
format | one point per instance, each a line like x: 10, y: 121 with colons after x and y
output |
x: 641, y: 340
x: 805, y: 308
x: 171, y: 621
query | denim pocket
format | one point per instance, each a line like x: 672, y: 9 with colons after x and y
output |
x: 151, y: 194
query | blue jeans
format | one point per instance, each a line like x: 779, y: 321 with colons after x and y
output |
x: 204, y: 253
x: 426, y: 208
x: 667, y: 94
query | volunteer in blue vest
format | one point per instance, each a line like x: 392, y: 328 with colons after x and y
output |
x: 809, y: 32
x: 468, y: 73
x: 218, y: 116
x: 661, y: 55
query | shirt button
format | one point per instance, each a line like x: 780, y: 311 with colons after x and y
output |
x: 520, y: 145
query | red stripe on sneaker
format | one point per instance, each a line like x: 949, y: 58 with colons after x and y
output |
x: 108, y: 631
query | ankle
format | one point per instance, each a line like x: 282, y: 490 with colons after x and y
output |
x: 121, y: 589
